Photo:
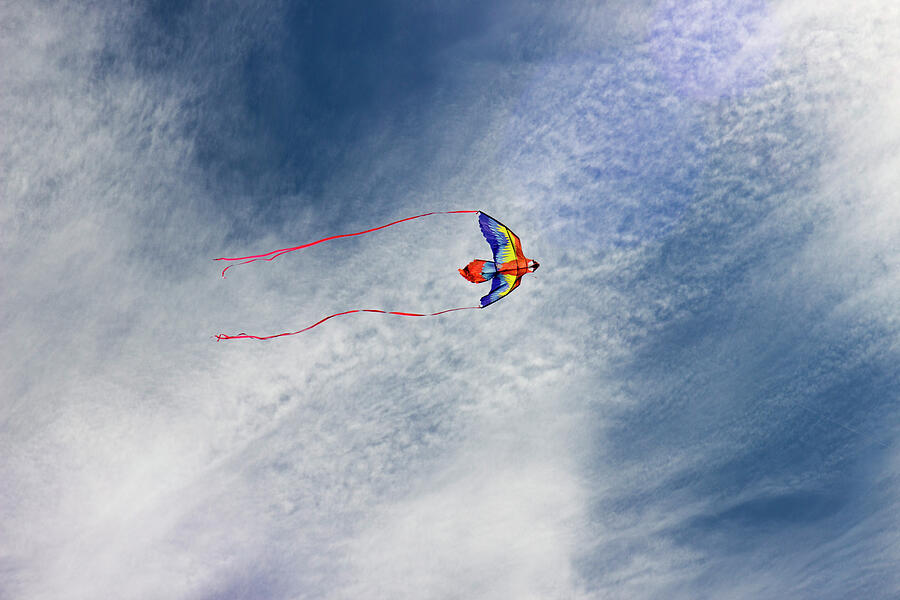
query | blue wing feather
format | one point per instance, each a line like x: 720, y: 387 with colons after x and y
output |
x: 501, y: 285
x: 499, y: 237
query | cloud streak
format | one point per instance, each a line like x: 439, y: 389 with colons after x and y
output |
x: 697, y: 401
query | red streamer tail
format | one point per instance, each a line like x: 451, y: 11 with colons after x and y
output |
x: 243, y: 260
x: 245, y: 336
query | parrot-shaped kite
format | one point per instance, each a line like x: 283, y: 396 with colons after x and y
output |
x: 505, y: 271
x: 509, y: 264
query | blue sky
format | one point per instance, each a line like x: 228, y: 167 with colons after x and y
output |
x: 695, y: 397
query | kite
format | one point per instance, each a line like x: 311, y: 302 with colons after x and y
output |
x: 505, y: 271
x: 508, y: 266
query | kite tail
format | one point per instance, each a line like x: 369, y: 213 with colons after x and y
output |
x: 245, y: 336
x: 276, y: 253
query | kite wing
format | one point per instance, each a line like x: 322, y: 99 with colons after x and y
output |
x: 501, y: 285
x: 504, y: 243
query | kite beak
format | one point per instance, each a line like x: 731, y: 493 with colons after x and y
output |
x: 534, y: 265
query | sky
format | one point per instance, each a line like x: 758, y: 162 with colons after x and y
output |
x: 695, y: 397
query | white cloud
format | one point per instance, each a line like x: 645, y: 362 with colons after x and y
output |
x: 386, y: 458
x: 499, y: 525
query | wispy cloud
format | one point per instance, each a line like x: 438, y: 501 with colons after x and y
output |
x: 694, y: 397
